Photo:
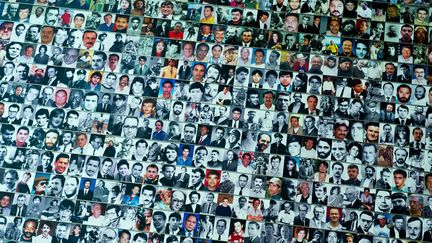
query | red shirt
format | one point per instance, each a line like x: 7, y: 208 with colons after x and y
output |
x: 174, y: 35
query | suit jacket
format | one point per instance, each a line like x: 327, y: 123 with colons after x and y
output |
x: 107, y: 110
x: 217, y: 143
x: 205, y: 206
x: 206, y: 141
x: 182, y: 232
x: 284, y: 128
x: 298, y: 221
x: 232, y: 166
x: 184, y: 73
x: 392, y: 99
x: 14, y: 209
x: 224, y: 122
x: 385, y: 78
x: 274, y: 148
x: 88, y: 197
x: 184, y: 183
x: 427, y: 236
x: 402, y: 232
x: 106, y: 177
x: 188, y: 208
x: 283, y: 9
x: 249, y: 240
x: 55, y: 240
x: 137, y: 69
x: 412, y: 145
x: 307, y: 29
x: 407, y: 121
x: 313, y: 132
x: 231, y: 123
x: 299, y: 131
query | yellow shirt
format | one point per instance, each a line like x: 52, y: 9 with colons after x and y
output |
x: 169, y: 72
x: 208, y: 20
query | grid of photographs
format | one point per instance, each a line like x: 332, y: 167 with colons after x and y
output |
x: 246, y: 121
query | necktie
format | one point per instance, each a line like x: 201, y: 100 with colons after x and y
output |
x: 403, y: 122
x: 200, y: 140
x: 208, y: 209
x: 82, y: 151
x: 418, y: 145
x: 219, y: 237
x: 241, y: 192
x: 18, y: 212
x: 343, y: 89
x: 141, y: 70
x: 388, y: 99
x: 265, y: 26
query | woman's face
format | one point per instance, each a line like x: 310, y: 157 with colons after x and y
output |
x: 290, y: 165
x: 124, y: 4
x: 171, y: 155
x: 275, y: 38
x: 216, y: 52
x: 361, y: 50
x: 137, y: 88
x: 160, y: 47
x: 245, y: 53
x: 294, y: 148
x: 123, y: 170
x: 354, y: 151
x: 350, y: 6
x: 188, y: 50
x: 57, y: 120
x: 334, y: 215
x: 301, y: 234
x: 322, y: 168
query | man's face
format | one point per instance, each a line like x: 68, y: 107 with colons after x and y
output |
x: 121, y: 23
x: 258, y: 182
x: 92, y: 167
x: 189, y: 133
x: 130, y: 127
x: 264, y: 142
x: 191, y: 222
x: 70, y: 186
x: 212, y: 180
x: 61, y: 165
x: 55, y: 186
x: 339, y: 151
x: 372, y: 133
x: 366, y: 222
x: 166, y: 10
x: 61, y: 231
x: 90, y: 102
x: 247, y: 36
x: 383, y: 201
x: 178, y: 199
x: 98, y: 62
x: 89, y: 39
x: 337, y: 170
x: 51, y: 16
x: 291, y: 23
x: 414, y: 229
x: 399, y: 180
x: 51, y: 139
x: 406, y: 33
x: 336, y: 7
x: 323, y: 149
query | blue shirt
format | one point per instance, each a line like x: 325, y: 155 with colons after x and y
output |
x: 187, y: 162
x: 105, y: 27
x: 159, y: 135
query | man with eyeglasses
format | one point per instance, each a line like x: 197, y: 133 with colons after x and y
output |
x: 108, y: 235
x: 61, y: 233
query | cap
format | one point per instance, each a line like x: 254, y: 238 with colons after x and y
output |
x: 235, y: 132
x: 372, y: 104
x: 302, y: 76
x: 341, y: 122
x: 380, y: 216
x: 103, y: 34
x: 278, y: 135
x: 398, y: 195
x: 230, y: 48
x: 276, y: 181
x: 331, y: 58
x: 346, y: 59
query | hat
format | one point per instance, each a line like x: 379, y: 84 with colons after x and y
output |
x: 372, y: 104
x: 302, y: 76
x: 398, y: 195
x: 40, y: 179
x: 235, y: 132
x: 276, y: 181
x: 278, y: 135
x: 300, y: 56
x: 309, y: 37
x: 380, y: 216
x: 346, y: 59
x: 341, y: 122
x: 81, y: 72
x: 230, y: 48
